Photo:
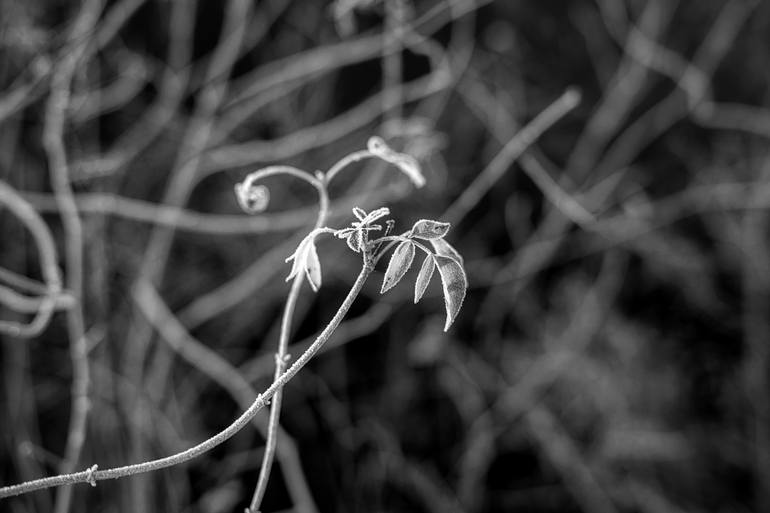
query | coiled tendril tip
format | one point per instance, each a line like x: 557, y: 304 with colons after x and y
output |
x: 252, y: 198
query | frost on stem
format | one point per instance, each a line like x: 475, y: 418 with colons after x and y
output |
x: 357, y: 235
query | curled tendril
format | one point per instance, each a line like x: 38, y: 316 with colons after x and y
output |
x: 255, y: 198
x: 252, y: 198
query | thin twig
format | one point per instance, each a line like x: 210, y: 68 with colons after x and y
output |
x: 227, y: 376
x: 510, y: 152
x: 282, y: 356
x: 48, y: 261
x: 92, y: 475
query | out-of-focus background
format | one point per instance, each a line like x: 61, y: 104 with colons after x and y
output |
x: 613, y: 352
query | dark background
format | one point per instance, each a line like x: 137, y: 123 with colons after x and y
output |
x: 613, y: 351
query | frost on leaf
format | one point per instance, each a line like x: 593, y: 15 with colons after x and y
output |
x: 305, y: 259
x: 443, y: 248
x: 399, y: 263
x: 455, y: 283
x: 252, y: 198
x: 423, y: 278
x: 406, y: 163
x: 356, y: 235
x: 427, y: 229
x: 313, y: 268
x: 353, y: 241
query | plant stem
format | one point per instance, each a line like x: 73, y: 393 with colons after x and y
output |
x: 275, y: 407
x: 281, y: 357
x: 510, y: 152
x: 92, y: 475
x: 46, y: 248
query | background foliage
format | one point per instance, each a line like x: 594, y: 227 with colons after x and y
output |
x: 612, y: 354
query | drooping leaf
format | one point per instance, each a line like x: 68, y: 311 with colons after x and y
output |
x: 455, y: 283
x: 298, y: 258
x: 313, y: 267
x: 423, y: 278
x: 429, y: 230
x: 443, y: 248
x: 352, y: 240
x: 305, y: 259
x: 399, y: 263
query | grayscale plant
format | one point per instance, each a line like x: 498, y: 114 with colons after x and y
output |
x: 306, y: 265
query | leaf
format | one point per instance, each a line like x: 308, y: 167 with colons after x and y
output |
x: 313, y: 267
x: 306, y: 260
x: 399, y: 263
x: 352, y: 241
x: 423, y: 278
x: 374, y: 215
x: 455, y: 282
x: 427, y: 229
x: 443, y: 248
x: 298, y: 257
x: 359, y: 213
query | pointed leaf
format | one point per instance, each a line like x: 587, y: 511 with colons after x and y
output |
x: 313, y: 267
x: 375, y: 214
x: 427, y: 229
x: 423, y: 278
x: 399, y: 263
x: 359, y: 213
x: 443, y: 248
x: 298, y: 257
x: 455, y: 282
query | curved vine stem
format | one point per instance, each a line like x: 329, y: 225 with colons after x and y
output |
x: 48, y: 257
x: 346, y: 161
x: 92, y: 475
x: 320, y: 181
x: 282, y: 356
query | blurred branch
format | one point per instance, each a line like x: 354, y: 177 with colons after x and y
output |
x: 237, y: 14
x: 473, y: 193
x: 53, y: 143
x: 734, y: 116
x: 228, y: 377
x: 92, y: 475
x: 564, y: 455
x: 46, y: 249
x: 756, y: 340
x: 178, y: 218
